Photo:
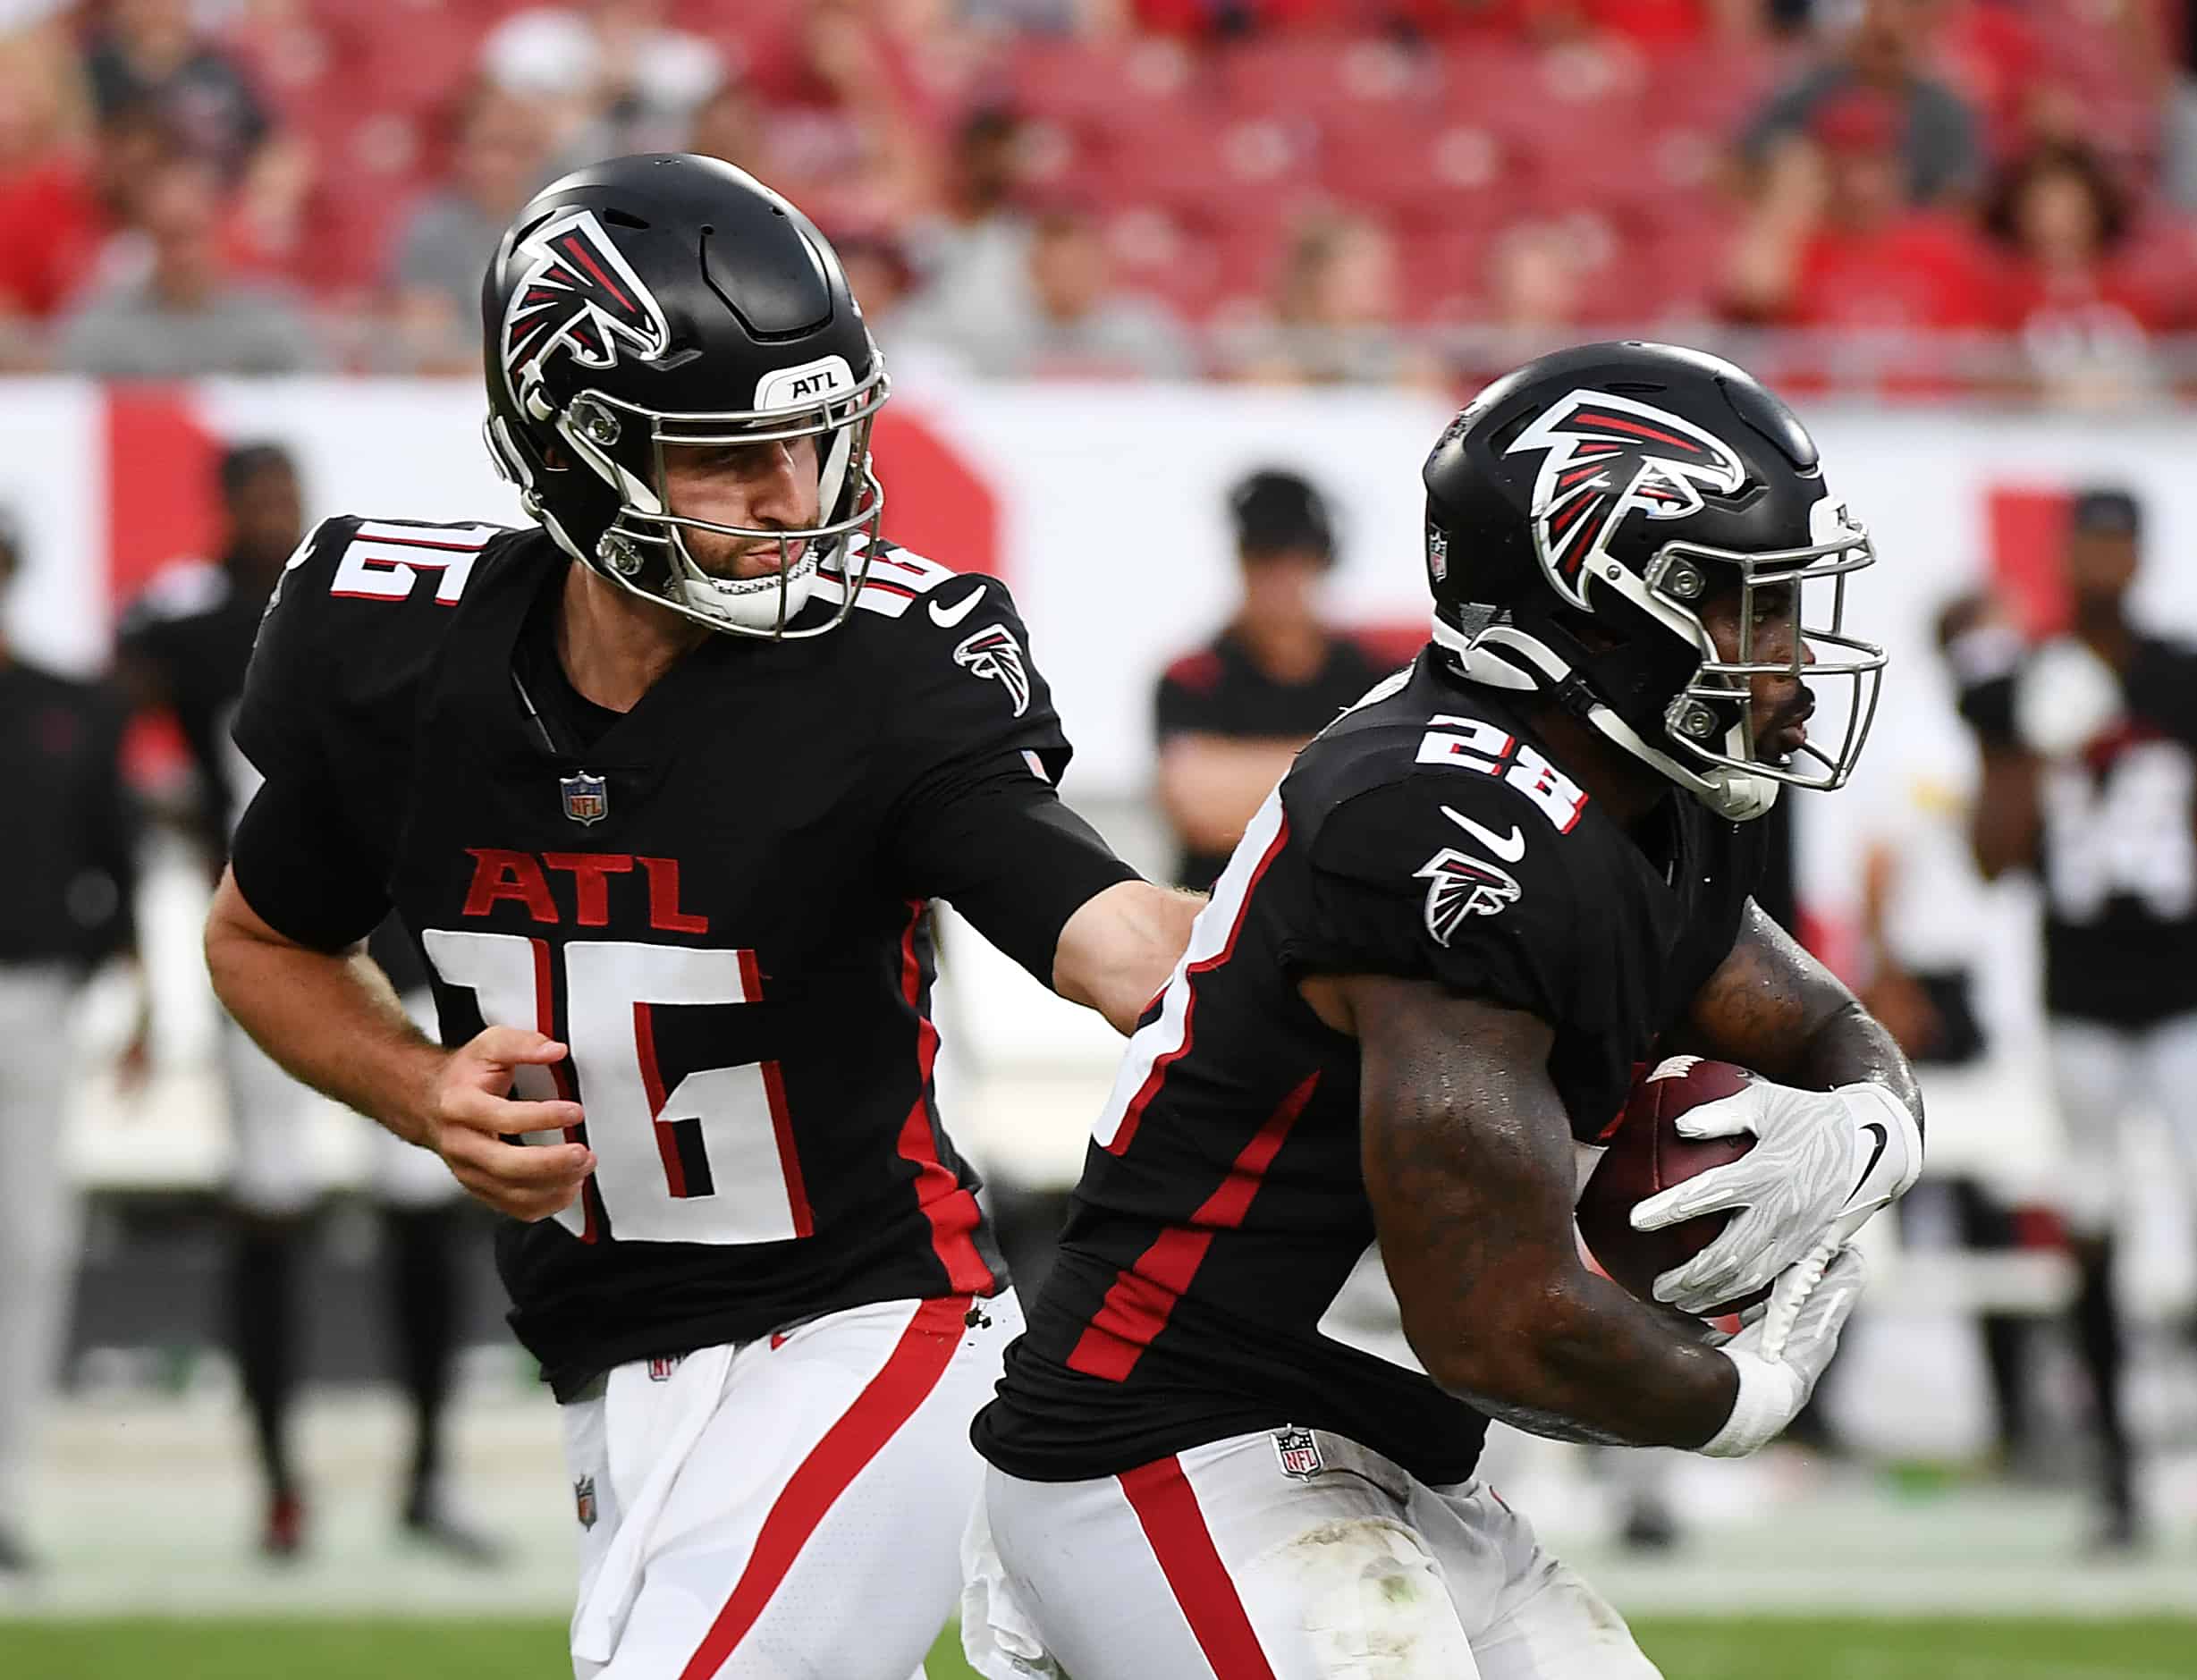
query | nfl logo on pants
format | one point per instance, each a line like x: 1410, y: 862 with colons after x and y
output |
x: 1298, y: 1452
x: 587, y: 798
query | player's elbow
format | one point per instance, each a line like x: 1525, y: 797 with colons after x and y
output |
x: 1507, y: 1349
x: 235, y: 940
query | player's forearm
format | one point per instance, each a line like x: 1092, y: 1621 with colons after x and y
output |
x: 1853, y: 1047
x: 330, y: 1021
x: 1581, y: 1359
x: 1118, y: 950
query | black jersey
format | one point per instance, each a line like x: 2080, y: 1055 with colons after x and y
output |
x: 2118, y: 838
x: 69, y: 858
x: 1220, y: 690
x: 193, y: 628
x: 719, y: 905
x: 1221, y: 1210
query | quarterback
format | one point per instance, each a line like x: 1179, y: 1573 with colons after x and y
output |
x: 664, y: 785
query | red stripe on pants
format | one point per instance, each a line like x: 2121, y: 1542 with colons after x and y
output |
x: 905, y: 1380
x: 1167, y: 1509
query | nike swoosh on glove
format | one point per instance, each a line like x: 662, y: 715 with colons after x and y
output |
x: 1823, y: 1163
x: 1782, y: 1354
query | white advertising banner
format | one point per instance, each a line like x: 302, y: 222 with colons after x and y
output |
x: 1104, y: 507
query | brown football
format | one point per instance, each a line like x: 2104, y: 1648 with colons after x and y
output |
x: 1647, y: 1154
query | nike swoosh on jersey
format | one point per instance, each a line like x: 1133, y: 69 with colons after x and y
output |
x: 1876, y: 1154
x: 1508, y: 849
x: 947, y: 617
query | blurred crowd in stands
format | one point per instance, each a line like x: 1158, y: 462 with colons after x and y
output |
x: 1901, y: 195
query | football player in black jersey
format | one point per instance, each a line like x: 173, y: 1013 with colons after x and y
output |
x: 183, y: 647
x: 663, y: 785
x: 2090, y: 779
x: 1515, y: 871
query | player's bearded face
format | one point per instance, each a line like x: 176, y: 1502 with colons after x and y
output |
x: 1781, y: 703
x: 771, y: 487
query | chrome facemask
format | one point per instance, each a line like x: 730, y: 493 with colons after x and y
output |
x: 645, y: 549
x: 1713, y: 717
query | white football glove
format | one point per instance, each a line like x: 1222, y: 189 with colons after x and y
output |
x: 2064, y: 698
x: 1783, y: 1352
x: 1825, y: 1161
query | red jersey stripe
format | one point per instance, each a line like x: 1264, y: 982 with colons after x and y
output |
x: 950, y: 1209
x: 1137, y: 1308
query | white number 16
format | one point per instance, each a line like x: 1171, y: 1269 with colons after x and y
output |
x: 710, y: 1160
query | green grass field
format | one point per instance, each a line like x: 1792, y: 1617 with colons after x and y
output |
x: 1749, y: 1649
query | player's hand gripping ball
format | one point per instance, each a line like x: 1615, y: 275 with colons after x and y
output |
x: 1647, y: 1154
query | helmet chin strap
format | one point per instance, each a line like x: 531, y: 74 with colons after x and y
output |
x: 1503, y: 656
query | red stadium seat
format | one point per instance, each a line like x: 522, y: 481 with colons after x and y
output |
x: 1456, y: 172
x: 1324, y: 76
x: 1112, y: 86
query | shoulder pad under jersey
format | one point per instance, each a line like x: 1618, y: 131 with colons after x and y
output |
x: 355, y: 616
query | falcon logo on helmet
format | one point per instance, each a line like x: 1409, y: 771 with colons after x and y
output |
x: 992, y: 653
x: 1459, y: 885
x: 581, y: 295
x: 1605, y: 459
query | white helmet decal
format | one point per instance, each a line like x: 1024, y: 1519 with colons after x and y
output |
x: 1606, y: 458
x: 581, y: 296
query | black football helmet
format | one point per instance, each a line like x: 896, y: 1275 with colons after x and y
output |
x: 668, y: 299
x: 1580, y: 509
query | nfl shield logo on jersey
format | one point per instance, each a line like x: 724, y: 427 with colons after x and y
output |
x: 1298, y: 1452
x: 587, y: 798
x: 583, y: 1501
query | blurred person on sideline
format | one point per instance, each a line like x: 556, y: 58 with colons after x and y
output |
x: 1925, y: 916
x: 153, y: 52
x: 2089, y: 749
x: 1067, y: 319
x: 47, y: 201
x: 1335, y: 310
x: 71, y: 877
x: 2073, y: 286
x: 613, y: 75
x: 446, y: 241
x: 1884, y: 52
x: 183, y: 647
x: 1831, y: 242
x: 189, y: 314
x: 1230, y: 716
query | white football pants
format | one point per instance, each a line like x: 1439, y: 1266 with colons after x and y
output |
x: 2100, y: 1075
x: 1218, y: 1563
x: 785, y: 1510
x: 40, y: 1231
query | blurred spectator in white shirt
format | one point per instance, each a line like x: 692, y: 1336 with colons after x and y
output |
x: 614, y: 77
x: 1336, y: 313
x: 153, y: 52
x: 451, y: 233
x: 1062, y: 317
x: 972, y: 257
x: 187, y: 314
